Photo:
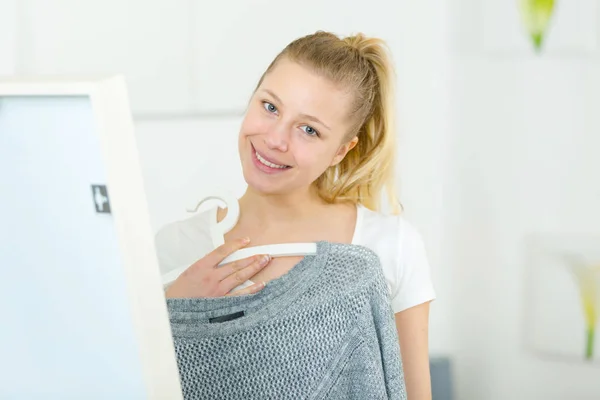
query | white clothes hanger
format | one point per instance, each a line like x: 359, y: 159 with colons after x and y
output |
x: 231, y: 218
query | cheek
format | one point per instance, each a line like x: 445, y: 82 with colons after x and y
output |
x: 254, y: 123
x: 315, y: 159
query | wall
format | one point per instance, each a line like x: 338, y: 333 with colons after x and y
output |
x: 523, y: 160
x: 8, y: 42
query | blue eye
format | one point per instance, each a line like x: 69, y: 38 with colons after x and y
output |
x: 269, y: 107
x: 310, y: 130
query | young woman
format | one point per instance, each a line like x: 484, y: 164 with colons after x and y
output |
x: 317, y: 148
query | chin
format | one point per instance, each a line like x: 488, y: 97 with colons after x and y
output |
x: 266, y: 185
x: 261, y: 185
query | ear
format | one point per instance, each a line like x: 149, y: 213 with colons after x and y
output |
x: 343, y: 150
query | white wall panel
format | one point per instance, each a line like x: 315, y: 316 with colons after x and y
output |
x: 236, y: 40
x: 146, y: 41
x: 8, y: 36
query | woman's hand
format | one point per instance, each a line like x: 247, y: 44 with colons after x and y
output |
x: 205, y: 278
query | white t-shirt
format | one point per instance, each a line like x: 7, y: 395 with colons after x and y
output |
x: 397, y: 243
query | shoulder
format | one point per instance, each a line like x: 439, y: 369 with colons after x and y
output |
x: 183, y: 242
x: 402, y: 255
x: 392, y: 237
x: 348, y: 270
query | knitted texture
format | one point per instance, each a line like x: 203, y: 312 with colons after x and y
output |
x: 324, y: 330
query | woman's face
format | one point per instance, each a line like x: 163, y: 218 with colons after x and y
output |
x: 293, y: 130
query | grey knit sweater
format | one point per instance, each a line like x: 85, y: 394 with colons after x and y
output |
x: 324, y: 330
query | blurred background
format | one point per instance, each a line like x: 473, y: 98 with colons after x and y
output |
x: 498, y: 141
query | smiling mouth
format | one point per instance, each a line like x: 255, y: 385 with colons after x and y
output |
x: 268, y: 163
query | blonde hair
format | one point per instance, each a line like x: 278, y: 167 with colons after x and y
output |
x: 364, y: 66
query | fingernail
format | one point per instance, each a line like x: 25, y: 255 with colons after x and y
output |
x: 264, y: 283
x: 264, y: 260
x: 246, y: 240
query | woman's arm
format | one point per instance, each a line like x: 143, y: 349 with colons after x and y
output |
x: 413, y: 331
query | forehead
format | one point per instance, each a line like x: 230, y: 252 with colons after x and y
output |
x: 303, y: 91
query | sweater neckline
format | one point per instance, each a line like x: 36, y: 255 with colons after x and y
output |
x: 190, y: 316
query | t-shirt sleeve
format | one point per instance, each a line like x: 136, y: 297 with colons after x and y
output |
x: 413, y: 276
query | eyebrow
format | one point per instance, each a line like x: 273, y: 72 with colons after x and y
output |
x: 306, y: 116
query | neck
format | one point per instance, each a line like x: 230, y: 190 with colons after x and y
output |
x: 289, y: 207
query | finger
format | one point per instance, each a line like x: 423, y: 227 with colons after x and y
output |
x: 220, y: 253
x: 233, y: 267
x: 257, y: 287
x: 240, y: 276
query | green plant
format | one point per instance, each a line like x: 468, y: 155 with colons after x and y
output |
x: 587, y: 278
x: 536, y: 16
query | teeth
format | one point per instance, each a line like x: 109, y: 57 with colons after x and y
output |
x: 269, y: 164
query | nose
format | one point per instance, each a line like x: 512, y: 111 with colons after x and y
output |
x: 276, y: 138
